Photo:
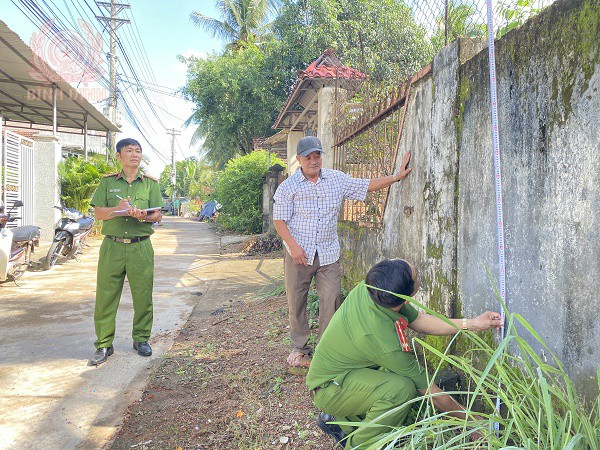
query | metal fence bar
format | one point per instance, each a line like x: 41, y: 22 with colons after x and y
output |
x: 364, y: 144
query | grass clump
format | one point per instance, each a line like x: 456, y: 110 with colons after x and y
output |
x: 540, y: 408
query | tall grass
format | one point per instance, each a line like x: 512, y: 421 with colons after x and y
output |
x: 540, y: 406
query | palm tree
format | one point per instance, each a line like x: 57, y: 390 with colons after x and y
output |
x: 242, y: 22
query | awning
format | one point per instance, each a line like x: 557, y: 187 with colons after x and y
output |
x: 28, y: 87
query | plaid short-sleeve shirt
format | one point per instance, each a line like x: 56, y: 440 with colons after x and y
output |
x: 310, y: 210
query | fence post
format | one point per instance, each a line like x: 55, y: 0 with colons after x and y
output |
x: 269, y: 187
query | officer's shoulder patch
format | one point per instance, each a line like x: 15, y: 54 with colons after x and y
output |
x: 151, y: 178
x: 111, y: 174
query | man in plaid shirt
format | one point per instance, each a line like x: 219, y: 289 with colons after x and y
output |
x: 305, y: 215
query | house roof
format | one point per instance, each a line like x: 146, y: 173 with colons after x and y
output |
x: 300, y: 108
x: 26, y: 90
x: 276, y: 144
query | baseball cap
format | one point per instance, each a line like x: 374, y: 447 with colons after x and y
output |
x: 307, y: 145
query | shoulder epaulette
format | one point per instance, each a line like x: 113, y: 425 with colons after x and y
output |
x: 111, y: 174
x: 148, y: 176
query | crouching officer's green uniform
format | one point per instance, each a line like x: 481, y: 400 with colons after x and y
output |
x: 126, y: 250
x: 363, y: 367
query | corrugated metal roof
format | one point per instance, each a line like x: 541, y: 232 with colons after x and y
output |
x: 26, y: 90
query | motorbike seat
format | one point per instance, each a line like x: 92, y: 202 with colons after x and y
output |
x: 85, y: 223
x: 25, y: 233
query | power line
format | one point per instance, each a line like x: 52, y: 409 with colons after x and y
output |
x: 114, y: 9
x: 60, y: 25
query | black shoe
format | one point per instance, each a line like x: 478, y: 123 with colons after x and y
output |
x: 101, y: 355
x: 332, y: 430
x: 142, y: 348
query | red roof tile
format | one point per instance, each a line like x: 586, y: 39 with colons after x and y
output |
x: 329, y: 66
x: 325, y: 66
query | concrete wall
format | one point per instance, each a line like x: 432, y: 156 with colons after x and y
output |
x: 47, y: 191
x: 292, y: 142
x: 325, y: 119
x: 548, y: 75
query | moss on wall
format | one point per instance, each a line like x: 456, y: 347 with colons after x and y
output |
x: 434, y: 251
x: 464, y: 94
x: 351, y: 259
x: 567, y: 35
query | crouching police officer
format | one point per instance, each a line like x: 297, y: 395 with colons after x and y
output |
x: 120, y: 202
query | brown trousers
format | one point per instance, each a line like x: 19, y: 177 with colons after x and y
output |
x: 297, y: 284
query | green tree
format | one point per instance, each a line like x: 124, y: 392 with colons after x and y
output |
x: 242, y: 23
x: 378, y: 37
x: 235, y: 102
x: 239, y: 189
x: 79, y: 179
x: 239, y: 94
x: 461, y: 23
x: 192, y: 179
x: 515, y: 15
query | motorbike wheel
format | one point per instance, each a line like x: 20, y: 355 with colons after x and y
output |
x: 55, y: 251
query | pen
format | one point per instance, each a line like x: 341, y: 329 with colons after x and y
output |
x: 119, y: 197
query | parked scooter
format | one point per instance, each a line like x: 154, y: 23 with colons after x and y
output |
x: 16, y: 245
x: 69, y: 235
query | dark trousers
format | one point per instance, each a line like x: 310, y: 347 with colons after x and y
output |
x: 297, y: 284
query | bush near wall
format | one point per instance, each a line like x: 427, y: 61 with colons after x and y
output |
x: 79, y: 179
x: 240, y: 191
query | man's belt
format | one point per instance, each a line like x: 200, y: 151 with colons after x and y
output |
x: 127, y: 240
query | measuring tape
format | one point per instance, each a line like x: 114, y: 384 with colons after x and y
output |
x: 497, y: 175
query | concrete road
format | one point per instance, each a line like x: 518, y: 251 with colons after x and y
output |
x: 49, y: 397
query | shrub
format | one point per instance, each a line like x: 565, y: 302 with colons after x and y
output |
x: 79, y: 179
x: 240, y: 191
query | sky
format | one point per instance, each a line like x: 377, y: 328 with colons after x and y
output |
x: 166, y: 31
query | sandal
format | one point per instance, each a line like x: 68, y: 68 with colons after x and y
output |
x: 298, y: 359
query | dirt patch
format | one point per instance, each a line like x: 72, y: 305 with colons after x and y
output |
x: 225, y: 385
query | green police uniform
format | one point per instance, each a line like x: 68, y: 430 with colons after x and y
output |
x: 117, y: 259
x: 361, y: 367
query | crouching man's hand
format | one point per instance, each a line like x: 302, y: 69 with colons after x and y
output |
x: 488, y: 319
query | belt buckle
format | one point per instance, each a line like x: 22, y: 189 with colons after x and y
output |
x: 127, y: 241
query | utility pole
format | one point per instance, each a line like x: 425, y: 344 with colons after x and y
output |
x: 173, y: 132
x: 114, y: 9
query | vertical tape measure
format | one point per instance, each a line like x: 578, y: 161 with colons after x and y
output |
x: 497, y: 174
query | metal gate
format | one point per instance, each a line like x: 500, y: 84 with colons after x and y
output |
x: 18, y: 180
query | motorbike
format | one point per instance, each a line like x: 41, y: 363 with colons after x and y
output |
x: 16, y: 245
x: 69, y: 235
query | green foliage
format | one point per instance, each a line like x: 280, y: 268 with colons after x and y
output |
x: 515, y: 14
x: 242, y: 22
x: 240, y: 92
x: 79, y: 179
x: 240, y: 191
x: 235, y: 102
x: 461, y: 23
x: 541, y: 409
x: 192, y: 179
x: 378, y: 37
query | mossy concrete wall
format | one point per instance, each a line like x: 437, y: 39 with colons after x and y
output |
x: 443, y: 217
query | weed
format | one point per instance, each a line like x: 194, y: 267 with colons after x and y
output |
x: 541, y: 409
x: 276, y: 389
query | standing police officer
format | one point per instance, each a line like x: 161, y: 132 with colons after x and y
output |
x: 126, y: 249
